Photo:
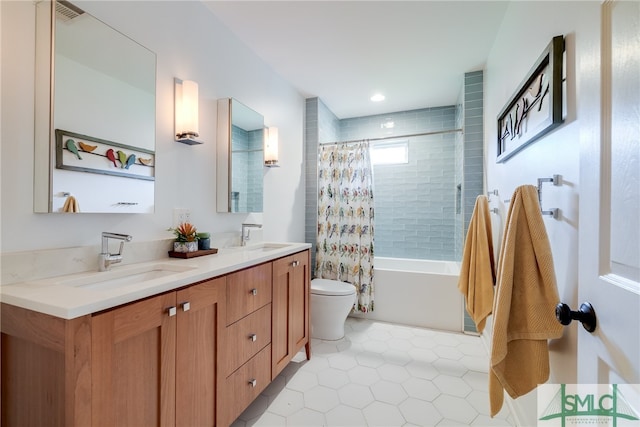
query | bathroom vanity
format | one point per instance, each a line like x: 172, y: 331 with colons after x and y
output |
x: 192, y: 346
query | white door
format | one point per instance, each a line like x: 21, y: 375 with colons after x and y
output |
x: 609, y: 230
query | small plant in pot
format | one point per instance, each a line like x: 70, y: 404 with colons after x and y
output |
x: 204, y: 241
x: 186, y: 238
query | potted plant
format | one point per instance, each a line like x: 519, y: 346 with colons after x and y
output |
x: 204, y: 241
x: 186, y: 238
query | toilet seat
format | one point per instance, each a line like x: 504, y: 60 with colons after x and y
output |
x: 331, y: 287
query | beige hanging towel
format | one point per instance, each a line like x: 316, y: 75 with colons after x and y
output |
x: 477, y: 272
x: 71, y: 205
x: 524, y: 305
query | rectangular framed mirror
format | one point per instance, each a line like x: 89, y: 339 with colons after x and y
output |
x: 240, y: 158
x: 98, y: 87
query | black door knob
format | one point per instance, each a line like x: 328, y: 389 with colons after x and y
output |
x: 586, y: 315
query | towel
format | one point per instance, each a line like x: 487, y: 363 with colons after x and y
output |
x: 477, y: 272
x: 71, y: 205
x: 524, y: 304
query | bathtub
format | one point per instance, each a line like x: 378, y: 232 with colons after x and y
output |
x: 417, y: 292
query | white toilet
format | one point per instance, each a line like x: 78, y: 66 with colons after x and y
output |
x: 331, y: 302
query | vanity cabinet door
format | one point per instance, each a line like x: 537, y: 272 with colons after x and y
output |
x: 290, y: 314
x: 133, y: 352
x: 46, y: 369
x: 201, y: 314
x: 300, y: 294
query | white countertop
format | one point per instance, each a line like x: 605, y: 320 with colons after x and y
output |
x: 67, y: 297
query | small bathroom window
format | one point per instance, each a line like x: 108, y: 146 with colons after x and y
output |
x: 390, y: 153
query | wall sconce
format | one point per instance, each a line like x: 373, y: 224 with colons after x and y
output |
x: 271, y: 147
x: 186, y: 100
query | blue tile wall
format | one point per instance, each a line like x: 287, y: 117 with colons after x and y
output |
x: 473, y: 151
x: 247, y: 165
x: 255, y: 162
x: 473, y: 142
x: 459, y: 178
x: 414, y: 202
x: 311, y: 136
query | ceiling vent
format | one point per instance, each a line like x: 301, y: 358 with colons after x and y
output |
x: 65, y: 11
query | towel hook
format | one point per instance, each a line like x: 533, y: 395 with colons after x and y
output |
x: 557, y: 181
x: 586, y: 315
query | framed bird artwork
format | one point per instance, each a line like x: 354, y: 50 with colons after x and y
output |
x: 89, y: 154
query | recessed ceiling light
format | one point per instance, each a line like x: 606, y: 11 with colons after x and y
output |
x: 377, y: 97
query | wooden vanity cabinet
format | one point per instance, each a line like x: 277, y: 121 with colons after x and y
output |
x: 290, y: 312
x: 150, y: 362
x: 196, y: 356
x: 154, y: 361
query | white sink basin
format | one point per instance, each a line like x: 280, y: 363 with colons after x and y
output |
x: 124, y: 276
x: 264, y: 247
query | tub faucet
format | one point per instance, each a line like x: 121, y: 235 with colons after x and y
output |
x: 105, y: 259
x: 245, y: 233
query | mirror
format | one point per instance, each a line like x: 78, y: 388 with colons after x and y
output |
x: 95, y: 115
x: 240, y: 157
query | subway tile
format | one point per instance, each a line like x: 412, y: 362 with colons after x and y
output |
x: 473, y: 88
x: 474, y: 107
x: 473, y: 104
x: 471, y: 97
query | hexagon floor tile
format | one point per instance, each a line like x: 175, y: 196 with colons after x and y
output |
x: 381, y: 374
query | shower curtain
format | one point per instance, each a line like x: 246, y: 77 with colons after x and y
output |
x: 344, y: 249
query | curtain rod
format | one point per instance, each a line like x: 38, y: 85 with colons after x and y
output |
x: 393, y: 137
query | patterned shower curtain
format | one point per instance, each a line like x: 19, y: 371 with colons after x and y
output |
x: 344, y: 249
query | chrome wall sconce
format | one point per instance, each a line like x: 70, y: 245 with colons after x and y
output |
x: 271, y: 147
x: 186, y: 112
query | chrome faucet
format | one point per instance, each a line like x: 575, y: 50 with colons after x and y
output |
x: 105, y: 259
x: 245, y: 233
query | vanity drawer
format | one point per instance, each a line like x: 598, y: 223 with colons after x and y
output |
x: 244, y: 385
x: 247, y: 291
x: 245, y: 338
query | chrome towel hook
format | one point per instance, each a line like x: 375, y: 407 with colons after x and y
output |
x: 557, y: 181
x: 586, y: 315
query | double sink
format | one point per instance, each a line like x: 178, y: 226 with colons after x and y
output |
x: 130, y: 275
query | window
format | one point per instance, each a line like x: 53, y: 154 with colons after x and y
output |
x: 390, y: 153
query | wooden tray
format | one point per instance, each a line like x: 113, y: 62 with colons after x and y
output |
x: 174, y: 254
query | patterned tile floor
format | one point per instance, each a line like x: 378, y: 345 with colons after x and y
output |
x: 381, y: 374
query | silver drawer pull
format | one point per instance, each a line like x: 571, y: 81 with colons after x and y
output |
x: 172, y: 311
x: 186, y: 306
x: 253, y: 337
x: 254, y: 291
x: 295, y: 263
x: 253, y: 382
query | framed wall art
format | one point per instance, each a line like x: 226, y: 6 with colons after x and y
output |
x: 535, y: 109
x: 84, y: 153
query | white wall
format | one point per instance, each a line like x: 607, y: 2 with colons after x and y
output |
x: 526, y: 30
x: 190, y: 43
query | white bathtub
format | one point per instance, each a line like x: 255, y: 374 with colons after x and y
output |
x: 417, y: 292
